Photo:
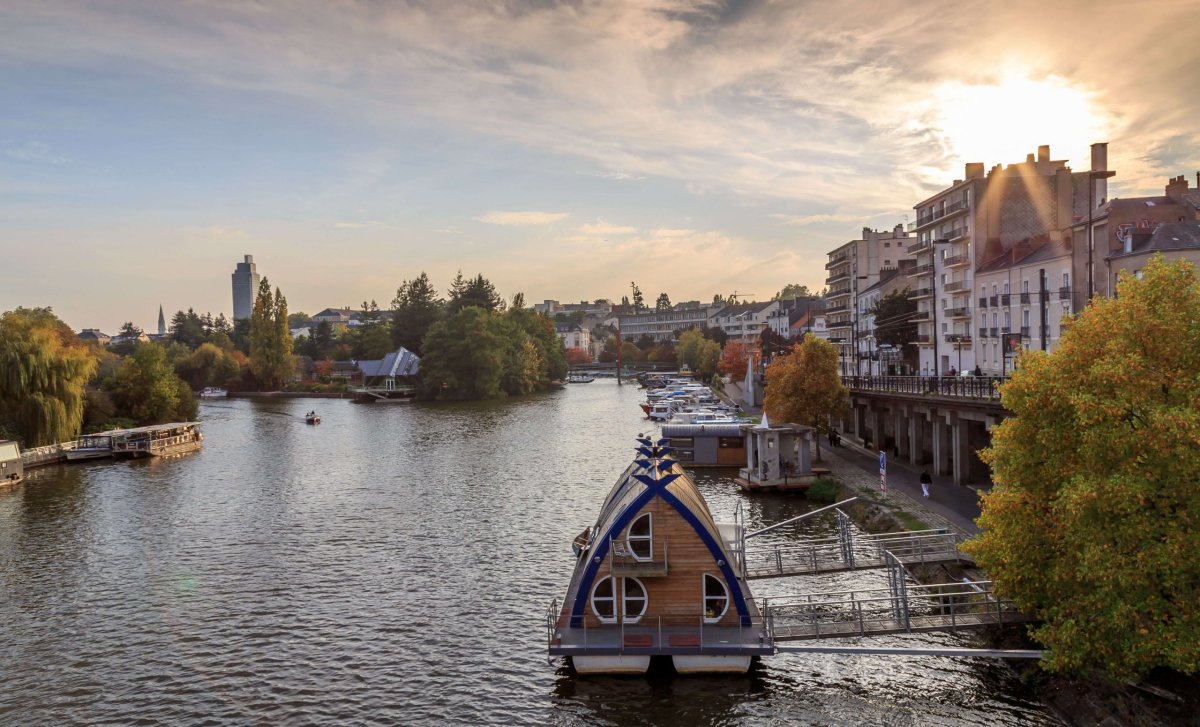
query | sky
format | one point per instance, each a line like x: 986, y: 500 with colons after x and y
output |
x: 562, y: 149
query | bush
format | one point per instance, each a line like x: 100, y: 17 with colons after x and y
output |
x: 823, y: 489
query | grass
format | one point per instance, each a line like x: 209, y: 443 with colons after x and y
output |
x: 823, y: 489
x: 910, y: 521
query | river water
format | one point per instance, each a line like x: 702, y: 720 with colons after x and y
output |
x: 391, y: 565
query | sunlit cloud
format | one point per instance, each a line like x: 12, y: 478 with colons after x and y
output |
x: 33, y: 151
x: 361, y: 225
x: 522, y: 218
x: 805, y: 220
x: 600, y: 227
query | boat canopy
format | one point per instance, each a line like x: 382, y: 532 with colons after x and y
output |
x: 732, y: 429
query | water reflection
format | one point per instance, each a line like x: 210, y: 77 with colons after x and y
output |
x: 391, y: 564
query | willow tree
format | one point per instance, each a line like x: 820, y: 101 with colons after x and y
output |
x: 804, y: 387
x: 270, y: 340
x: 44, y: 370
x: 1093, y: 526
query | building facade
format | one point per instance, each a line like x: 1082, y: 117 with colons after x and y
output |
x: 245, y: 288
x: 662, y: 325
x: 853, y: 267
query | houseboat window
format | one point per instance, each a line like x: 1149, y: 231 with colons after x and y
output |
x: 730, y: 443
x: 716, y: 599
x: 604, y: 602
x: 685, y: 442
x: 635, y: 600
x: 639, y: 538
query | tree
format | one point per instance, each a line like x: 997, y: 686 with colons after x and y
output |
x: 188, y: 328
x: 663, y: 303
x: 639, y: 303
x: 707, y: 358
x: 146, y: 389
x: 270, y: 341
x: 733, y: 359
x: 1093, y: 526
x: 373, y: 339
x: 718, y: 299
x: 463, y: 357
x: 415, y: 309
x: 687, y: 350
x: 477, y: 291
x: 208, y: 365
x: 804, y: 386
x: 792, y: 290
x: 44, y: 370
x: 896, y: 322
x: 578, y: 357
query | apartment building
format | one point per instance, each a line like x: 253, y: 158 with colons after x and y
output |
x: 853, y: 267
x: 663, y: 325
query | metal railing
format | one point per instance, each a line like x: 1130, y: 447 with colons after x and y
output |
x: 48, y: 454
x: 973, y: 387
x: 624, y: 560
x: 685, y: 631
x: 963, y: 312
x: 850, y: 551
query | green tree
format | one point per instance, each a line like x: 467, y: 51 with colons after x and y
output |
x: 707, y: 358
x: 896, y: 323
x: 270, y: 341
x: 373, y: 338
x: 1093, y: 526
x: 188, y: 328
x: 44, y: 370
x: 464, y: 357
x: 792, y: 290
x: 663, y: 303
x: 804, y: 386
x: 687, y: 350
x: 639, y: 303
x: 208, y: 365
x: 477, y: 291
x: 146, y: 389
x: 415, y: 309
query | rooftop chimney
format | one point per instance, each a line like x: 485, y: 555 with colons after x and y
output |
x: 974, y: 170
x: 1029, y: 159
x: 1044, y: 153
x: 1100, y: 164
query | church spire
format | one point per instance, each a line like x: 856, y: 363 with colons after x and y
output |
x: 162, y: 321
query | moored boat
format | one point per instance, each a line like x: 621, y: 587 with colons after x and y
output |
x: 631, y: 598
x: 580, y: 378
x: 157, y: 440
x: 213, y: 392
x: 92, y: 446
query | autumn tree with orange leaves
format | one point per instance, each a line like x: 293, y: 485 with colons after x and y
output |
x: 803, y: 386
x: 733, y: 359
x: 1093, y: 526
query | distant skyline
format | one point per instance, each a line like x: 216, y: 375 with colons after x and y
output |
x: 561, y: 149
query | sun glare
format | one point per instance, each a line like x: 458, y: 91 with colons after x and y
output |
x: 1001, y: 123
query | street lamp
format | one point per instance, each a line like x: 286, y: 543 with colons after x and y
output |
x: 1092, y: 177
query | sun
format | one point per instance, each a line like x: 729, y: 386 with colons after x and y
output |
x: 1001, y: 123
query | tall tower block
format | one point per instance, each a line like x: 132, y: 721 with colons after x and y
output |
x: 245, y: 287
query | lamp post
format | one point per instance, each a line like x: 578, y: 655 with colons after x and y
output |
x: 1091, y: 237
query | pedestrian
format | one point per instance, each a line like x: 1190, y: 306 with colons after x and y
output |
x: 978, y: 371
x: 926, y: 481
x: 953, y: 371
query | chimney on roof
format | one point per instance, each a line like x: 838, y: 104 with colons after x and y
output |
x: 974, y: 170
x: 1029, y: 159
x: 1044, y: 153
x: 1176, y: 188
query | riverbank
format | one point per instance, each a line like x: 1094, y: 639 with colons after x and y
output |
x: 288, y: 395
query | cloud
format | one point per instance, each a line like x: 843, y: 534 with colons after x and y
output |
x: 33, y: 151
x: 606, y: 228
x: 522, y: 218
x: 364, y: 224
x: 804, y: 220
x: 448, y: 231
x: 219, y: 231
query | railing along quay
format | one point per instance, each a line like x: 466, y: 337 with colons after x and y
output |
x: 967, y: 387
x: 49, y: 454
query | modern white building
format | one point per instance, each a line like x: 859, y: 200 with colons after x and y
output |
x: 853, y: 267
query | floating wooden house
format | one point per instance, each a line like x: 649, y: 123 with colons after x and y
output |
x: 706, y: 445
x: 778, y: 456
x: 11, y: 467
x: 157, y: 440
x: 657, y: 576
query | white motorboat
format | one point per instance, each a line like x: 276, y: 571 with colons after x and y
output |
x: 91, y: 446
x: 213, y: 392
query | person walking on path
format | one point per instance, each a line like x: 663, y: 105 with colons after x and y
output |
x: 926, y: 481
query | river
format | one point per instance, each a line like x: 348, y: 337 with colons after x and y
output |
x: 390, y: 565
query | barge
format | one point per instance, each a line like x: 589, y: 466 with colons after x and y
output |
x: 157, y: 440
x: 658, y: 576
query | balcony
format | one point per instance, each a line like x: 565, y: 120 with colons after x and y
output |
x: 623, y: 561
x: 923, y: 270
x: 924, y: 339
x: 1024, y: 331
x: 1005, y: 299
x: 994, y: 301
x: 959, y: 339
x: 964, y: 312
x: 955, y: 261
x: 1064, y: 293
x: 921, y: 293
x: 836, y: 259
x: 837, y: 292
x: 940, y: 212
x: 1024, y: 298
x: 995, y: 332
x: 920, y: 248
x: 837, y: 308
x: 955, y: 285
x: 983, y: 302
x: 838, y: 278
x: 954, y: 234
x: 923, y: 316
x: 983, y: 333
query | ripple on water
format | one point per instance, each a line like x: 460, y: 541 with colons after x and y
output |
x: 389, y: 566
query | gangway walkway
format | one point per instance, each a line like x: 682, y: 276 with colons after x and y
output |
x: 851, y: 550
